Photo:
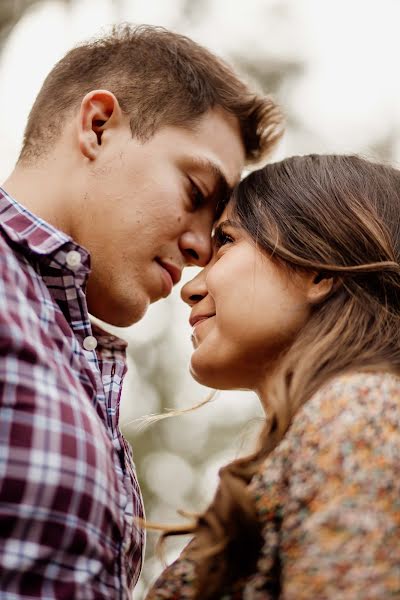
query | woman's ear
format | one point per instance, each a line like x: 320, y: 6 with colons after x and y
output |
x: 320, y: 286
x: 99, y: 111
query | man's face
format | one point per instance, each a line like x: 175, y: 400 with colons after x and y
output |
x: 148, y: 210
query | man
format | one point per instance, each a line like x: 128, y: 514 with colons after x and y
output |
x: 133, y: 143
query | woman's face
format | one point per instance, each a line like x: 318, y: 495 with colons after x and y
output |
x: 245, y: 310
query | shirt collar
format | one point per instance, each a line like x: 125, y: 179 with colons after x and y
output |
x: 29, y: 231
x: 50, y: 246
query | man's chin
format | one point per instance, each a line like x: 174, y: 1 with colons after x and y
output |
x: 118, y: 314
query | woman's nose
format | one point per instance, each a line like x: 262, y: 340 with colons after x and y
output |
x: 195, y: 290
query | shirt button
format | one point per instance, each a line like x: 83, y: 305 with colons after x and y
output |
x: 89, y: 343
x: 73, y: 259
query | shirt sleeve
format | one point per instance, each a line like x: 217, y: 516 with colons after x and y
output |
x: 57, y: 517
x: 29, y: 461
x: 341, y: 523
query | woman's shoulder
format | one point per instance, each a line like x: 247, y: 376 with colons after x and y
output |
x: 348, y: 400
x: 327, y: 496
x: 351, y: 422
x: 363, y: 386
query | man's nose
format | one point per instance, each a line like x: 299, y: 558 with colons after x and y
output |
x: 196, y: 247
x: 195, y: 290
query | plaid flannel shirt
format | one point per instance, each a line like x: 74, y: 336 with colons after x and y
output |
x: 68, y: 490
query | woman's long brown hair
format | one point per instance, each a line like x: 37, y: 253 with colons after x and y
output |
x: 338, y: 216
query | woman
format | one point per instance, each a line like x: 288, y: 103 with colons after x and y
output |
x: 301, y: 303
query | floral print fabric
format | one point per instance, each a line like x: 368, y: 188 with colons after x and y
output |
x: 328, y: 501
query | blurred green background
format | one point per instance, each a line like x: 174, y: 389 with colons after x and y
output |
x: 332, y: 65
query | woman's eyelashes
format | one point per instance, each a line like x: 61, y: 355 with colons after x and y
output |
x: 221, y: 237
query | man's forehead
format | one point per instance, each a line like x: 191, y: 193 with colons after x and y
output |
x: 219, y: 137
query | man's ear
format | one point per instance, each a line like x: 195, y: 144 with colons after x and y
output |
x: 320, y: 286
x: 100, y: 110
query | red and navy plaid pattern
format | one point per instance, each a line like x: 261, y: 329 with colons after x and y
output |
x: 68, y: 490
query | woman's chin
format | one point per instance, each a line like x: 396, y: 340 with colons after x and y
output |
x: 210, y: 376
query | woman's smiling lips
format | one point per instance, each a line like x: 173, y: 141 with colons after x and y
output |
x: 196, y: 319
x: 195, y: 322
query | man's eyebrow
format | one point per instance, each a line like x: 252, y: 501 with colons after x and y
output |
x: 222, y: 189
x: 209, y: 166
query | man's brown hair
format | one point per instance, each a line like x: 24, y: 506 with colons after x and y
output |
x: 160, y: 78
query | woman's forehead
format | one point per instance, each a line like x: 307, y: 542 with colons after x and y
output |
x: 225, y: 215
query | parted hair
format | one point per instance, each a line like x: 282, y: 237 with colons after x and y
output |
x: 337, y: 216
x: 160, y: 78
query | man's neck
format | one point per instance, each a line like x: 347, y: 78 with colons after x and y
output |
x: 42, y: 191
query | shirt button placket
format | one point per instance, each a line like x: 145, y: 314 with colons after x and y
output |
x: 73, y: 259
x: 90, y: 343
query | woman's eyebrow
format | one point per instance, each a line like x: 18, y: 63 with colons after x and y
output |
x: 220, y: 227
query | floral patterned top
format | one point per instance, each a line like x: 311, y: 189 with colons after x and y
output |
x: 328, y: 500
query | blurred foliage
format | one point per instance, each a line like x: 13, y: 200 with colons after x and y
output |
x: 11, y: 12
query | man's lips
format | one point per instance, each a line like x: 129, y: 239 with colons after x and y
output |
x: 171, y: 274
x: 196, y: 319
x: 174, y: 272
